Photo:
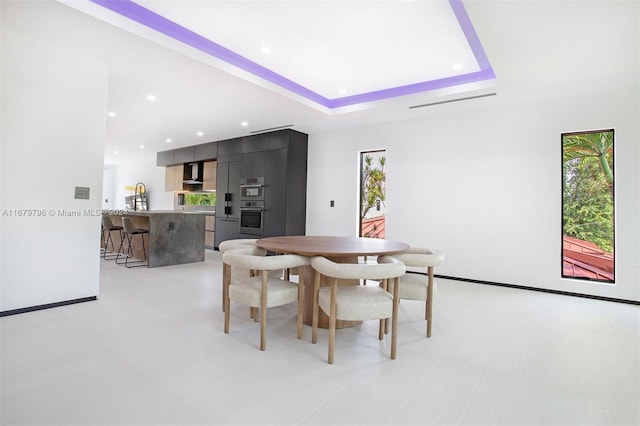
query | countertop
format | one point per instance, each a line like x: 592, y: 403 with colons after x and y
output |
x: 153, y: 212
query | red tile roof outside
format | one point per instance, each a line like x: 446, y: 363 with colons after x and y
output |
x: 373, y: 227
x: 582, y: 259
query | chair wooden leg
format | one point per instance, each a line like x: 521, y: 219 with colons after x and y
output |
x: 226, y: 278
x: 226, y: 281
x: 314, y: 320
x: 332, y: 319
x: 394, y: 323
x: 226, y: 303
x: 429, y: 308
x: 300, y: 302
x: 382, y: 328
x: 263, y: 312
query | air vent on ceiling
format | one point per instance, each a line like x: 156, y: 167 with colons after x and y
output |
x: 453, y: 100
x: 272, y: 129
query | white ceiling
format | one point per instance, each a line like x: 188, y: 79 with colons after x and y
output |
x: 358, y: 46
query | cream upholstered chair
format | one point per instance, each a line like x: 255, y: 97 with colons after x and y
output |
x: 414, y: 285
x: 226, y: 269
x: 263, y: 290
x: 356, y: 302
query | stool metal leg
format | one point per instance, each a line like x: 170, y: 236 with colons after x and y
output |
x: 144, y: 252
x: 129, y: 254
x: 110, y: 255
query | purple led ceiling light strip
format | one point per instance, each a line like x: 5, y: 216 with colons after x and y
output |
x: 169, y: 28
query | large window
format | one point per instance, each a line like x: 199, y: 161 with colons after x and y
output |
x: 588, y: 225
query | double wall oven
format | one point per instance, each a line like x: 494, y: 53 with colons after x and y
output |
x: 252, y: 206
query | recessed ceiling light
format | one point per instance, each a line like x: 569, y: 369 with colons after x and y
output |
x: 111, y: 114
x: 244, y: 124
x: 342, y: 91
x: 141, y: 146
x: 457, y: 67
x: 151, y: 98
x: 116, y: 152
x: 169, y: 140
x: 200, y: 133
x: 266, y: 49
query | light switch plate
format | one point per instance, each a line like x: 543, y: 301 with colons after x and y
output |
x: 82, y: 192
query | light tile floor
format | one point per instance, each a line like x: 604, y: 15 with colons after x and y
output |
x: 151, y: 351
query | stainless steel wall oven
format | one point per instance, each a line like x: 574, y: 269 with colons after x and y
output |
x: 252, y: 217
x: 252, y: 189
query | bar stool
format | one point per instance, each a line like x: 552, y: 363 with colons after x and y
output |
x: 109, y: 227
x: 130, y: 231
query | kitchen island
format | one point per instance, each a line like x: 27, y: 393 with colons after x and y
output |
x: 174, y: 238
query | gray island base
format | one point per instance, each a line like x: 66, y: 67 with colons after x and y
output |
x: 174, y: 237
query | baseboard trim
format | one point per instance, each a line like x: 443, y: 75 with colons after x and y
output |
x: 543, y: 290
x: 47, y: 306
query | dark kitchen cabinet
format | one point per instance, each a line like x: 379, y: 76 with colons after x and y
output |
x: 275, y: 194
x: 278, y: 140
x: 206, y: 151
x: 255, y: 143
x: 184, y: 155
x: 253, y: 164
x: 164, y: 158
x: 280, y: 157
x: 229, y: 147
x: 296, y: 184
x: 227, y: 198
x: 227, y: 228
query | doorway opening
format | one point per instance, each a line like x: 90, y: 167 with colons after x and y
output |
x: 373, y: 178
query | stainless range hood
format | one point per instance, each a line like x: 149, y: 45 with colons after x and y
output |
x: 195, y: 169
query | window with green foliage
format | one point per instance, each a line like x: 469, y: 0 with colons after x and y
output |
x: 373, y: 178
x: 200, y: 199
x: 588, y: 234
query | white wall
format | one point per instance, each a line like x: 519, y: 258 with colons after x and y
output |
x: 484, y: 186
x: 54, y: 97
x: 143, y: 170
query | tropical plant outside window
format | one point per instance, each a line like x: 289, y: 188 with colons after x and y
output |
x: 372, y: 194
x: 588, y: 234
x: 200, y: 199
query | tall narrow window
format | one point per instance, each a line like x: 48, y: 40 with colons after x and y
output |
x: 372, y: 193
x: 588, y: 234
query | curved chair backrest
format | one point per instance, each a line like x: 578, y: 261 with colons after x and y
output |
x: 255, y: 259
x: 387, y: 267
x: 421, y: 257
x: 236, y: 244
x: 246, y: 250
x: 128, y: 225
x: 107, y: 223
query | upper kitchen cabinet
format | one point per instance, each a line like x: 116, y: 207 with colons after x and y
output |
x: 209, y: 176
x: 165, y: 158
x: 255, y: 143
x: 279, y: 139
x: 229, y: 147
x: 184, y: 155
x: 176, y: 156
x: 172, y: 157
x: 253, y: 164
x: 206, y: 151
x: 173, y: 178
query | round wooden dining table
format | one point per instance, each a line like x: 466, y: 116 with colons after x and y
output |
x: 337, y: 248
